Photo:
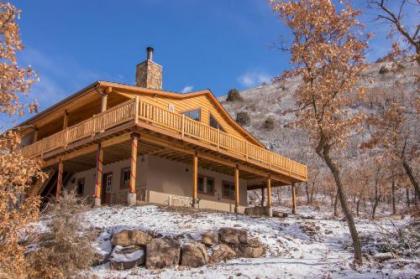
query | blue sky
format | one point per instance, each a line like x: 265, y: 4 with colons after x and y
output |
x: 219, y: 44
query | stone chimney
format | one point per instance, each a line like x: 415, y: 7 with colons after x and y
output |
x: 149, y: 73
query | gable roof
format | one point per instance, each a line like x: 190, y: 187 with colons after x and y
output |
x: 153, y: 92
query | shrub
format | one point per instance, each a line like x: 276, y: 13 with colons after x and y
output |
x: 234, y: 96
x: 65, y: 250
x: 243, y: 118
x: 269, y: 123
x: 383, y: 70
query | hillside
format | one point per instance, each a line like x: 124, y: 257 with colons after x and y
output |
x: 271, y: 100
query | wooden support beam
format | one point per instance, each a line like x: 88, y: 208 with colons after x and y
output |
x: 59, y: 180
x: 133, y: 169
x: 65, y: 120
x: 104, y: 102
x: 195, y: 180
x: 293, y: 188
x: 99, y: 172
x: 269, y: 197
x: 35, y: 138
x: 237, y: 187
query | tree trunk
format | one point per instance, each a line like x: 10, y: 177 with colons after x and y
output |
x: 308, y: 199
x: 357, y: 207
x: 343, y: 201
x: 410, y: 175
x: 335, y: 205
x: 394, y: 209
x: 407, y: 196
x: 375, y: 202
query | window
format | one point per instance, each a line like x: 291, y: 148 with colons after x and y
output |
x: 107, y: 182
x: 205, y: 185
x: 210, y: 185
x: 80, y: 187
x: 125, y: 178
x: 193, y: 114
x: 214, y: 123
x: 228, y: 190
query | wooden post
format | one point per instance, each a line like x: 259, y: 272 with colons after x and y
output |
x: 99, y: 171
x: 262, y: 196
x: 132, y: 197
x: 35, y: 138
x: 59, y: 179
x: 136, y: 110
x: 65, y: 120
x: 104, y: 102
x: 195, y: 180
x: 293, y: 199
x: 236, y: 188
x: 269, y: 208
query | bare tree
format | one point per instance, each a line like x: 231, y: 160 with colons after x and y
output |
x: 328, y: 54
x: 395, y: 17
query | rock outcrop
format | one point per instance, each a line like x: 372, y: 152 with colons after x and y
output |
x: 162, y: 252
x: 194, y: 254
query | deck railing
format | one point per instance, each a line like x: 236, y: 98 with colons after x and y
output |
x: 175, y: 122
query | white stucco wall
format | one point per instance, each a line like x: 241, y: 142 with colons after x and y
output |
x: 163, y: 181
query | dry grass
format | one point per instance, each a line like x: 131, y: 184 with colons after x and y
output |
x: 65, y: 250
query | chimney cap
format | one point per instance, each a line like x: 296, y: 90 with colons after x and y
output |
x: 149, y: 51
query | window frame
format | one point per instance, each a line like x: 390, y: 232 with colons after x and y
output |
x: 232, y: 192
x: 205, y: 189
x: 122, y: 185
x: 219, y: 126
x: 193, y: 110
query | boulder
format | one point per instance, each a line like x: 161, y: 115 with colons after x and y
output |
x: 126, y: 257
x: 222, y: 252
x: 130, y: 237
x: 162, y: 252
x: 210, y: 238
x: 279, y: 214
x: 253, y: 248
x: 233, y: 236
x: 381, y: 257
x: 194, y: 254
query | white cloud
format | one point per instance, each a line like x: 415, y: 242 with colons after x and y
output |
x: 254, y: 78
x: 187, y: 89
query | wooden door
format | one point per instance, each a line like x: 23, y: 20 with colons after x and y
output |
x: 106, y: 188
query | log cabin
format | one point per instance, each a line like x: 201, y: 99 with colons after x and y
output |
x: 125, y: 144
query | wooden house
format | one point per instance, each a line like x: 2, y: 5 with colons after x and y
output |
x: 123, y: 143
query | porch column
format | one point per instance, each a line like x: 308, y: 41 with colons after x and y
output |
x: 59, y: 179
x: 293, y: 198
x: 132, y: 196
x: 195, y: 181
x: 269, y: 208
x: 99, y: 166
x: 236, y: 189
x: 262, y: 196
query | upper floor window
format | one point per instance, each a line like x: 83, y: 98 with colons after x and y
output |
x: 193, y: 114
x: 214, y: 123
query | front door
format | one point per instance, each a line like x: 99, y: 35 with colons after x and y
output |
x: 106, y: 188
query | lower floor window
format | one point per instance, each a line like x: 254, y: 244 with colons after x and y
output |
x: 205, y: 185
x: 125, y: 178
x: 80, y: 186
x: 228, y: 190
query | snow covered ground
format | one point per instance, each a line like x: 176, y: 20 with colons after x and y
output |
x: 307, y: 245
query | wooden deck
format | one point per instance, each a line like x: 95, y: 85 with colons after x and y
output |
x: 137, y: 112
